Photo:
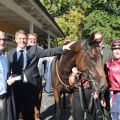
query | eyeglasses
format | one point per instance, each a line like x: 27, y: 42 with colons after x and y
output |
x: 4, y: 39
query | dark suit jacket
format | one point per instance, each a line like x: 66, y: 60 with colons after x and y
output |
x: 11, y: 112
x: 33, y: 54
x: 107, y: 54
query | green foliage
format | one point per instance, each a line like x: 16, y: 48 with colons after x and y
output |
x: 102, y: 21
x: 69, y: 23
x: 82, y: 17
x: 56, y: 7
x: 112, y: 6
x: 101, y: 15
x: 68, y: 16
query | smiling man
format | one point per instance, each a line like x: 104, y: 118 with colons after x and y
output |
x: 25, y: 88
x: 3, y: 77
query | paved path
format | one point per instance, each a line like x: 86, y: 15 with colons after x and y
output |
x: 48, y: 108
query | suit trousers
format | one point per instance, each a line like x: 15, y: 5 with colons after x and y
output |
x: 3, y: 108
x: 25, y: 99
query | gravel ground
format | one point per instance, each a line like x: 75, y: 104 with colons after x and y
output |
x: 48, y: 108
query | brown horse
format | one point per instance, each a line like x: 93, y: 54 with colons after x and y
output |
x: 88, y: 59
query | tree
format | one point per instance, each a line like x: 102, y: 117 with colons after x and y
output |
x: 82, y: 17
x: 101, y: 15
x: 67, y: 14
x: 69, y: 23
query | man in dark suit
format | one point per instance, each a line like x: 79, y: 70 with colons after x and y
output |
x: 32, y: 40
x: 26, y: 83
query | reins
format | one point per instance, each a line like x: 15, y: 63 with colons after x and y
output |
x: 56, y: 67
x: 91, y: 78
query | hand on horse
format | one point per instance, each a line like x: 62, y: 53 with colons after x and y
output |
x: 72, y: 77
x: 74, y: 70
x: 67, y: 46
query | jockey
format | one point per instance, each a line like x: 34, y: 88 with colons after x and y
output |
x: 113, y: 72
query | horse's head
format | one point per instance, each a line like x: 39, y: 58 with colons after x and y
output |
x: 89, y: 60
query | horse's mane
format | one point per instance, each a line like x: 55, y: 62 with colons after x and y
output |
x: 78, y: 44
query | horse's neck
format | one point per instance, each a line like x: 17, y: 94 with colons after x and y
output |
x: 66, y: 64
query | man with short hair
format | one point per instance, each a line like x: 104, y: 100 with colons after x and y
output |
x: 26, y: 83
x: 3, y: 77
x: 32, y: 40
x: 7, y: 111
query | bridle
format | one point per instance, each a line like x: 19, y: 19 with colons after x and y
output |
x: 87, y: 74
x: 57, y: 72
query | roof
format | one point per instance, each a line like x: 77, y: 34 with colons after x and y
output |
x: 22, y: 14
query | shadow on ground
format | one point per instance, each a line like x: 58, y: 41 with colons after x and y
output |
x: 49, y: 112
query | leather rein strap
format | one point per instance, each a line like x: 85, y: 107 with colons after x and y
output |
x: 56, y: 67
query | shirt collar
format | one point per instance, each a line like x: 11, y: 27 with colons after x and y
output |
x: 18, y: 49
x: 1, y: 53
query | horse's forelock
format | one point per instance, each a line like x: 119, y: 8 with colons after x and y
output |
x: 76, y: 46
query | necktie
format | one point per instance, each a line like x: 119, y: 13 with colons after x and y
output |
x: 21, y: 61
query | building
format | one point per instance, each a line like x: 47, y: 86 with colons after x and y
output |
x: 29, y: 15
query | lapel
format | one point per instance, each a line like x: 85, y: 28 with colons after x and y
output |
x: 14, y: 56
